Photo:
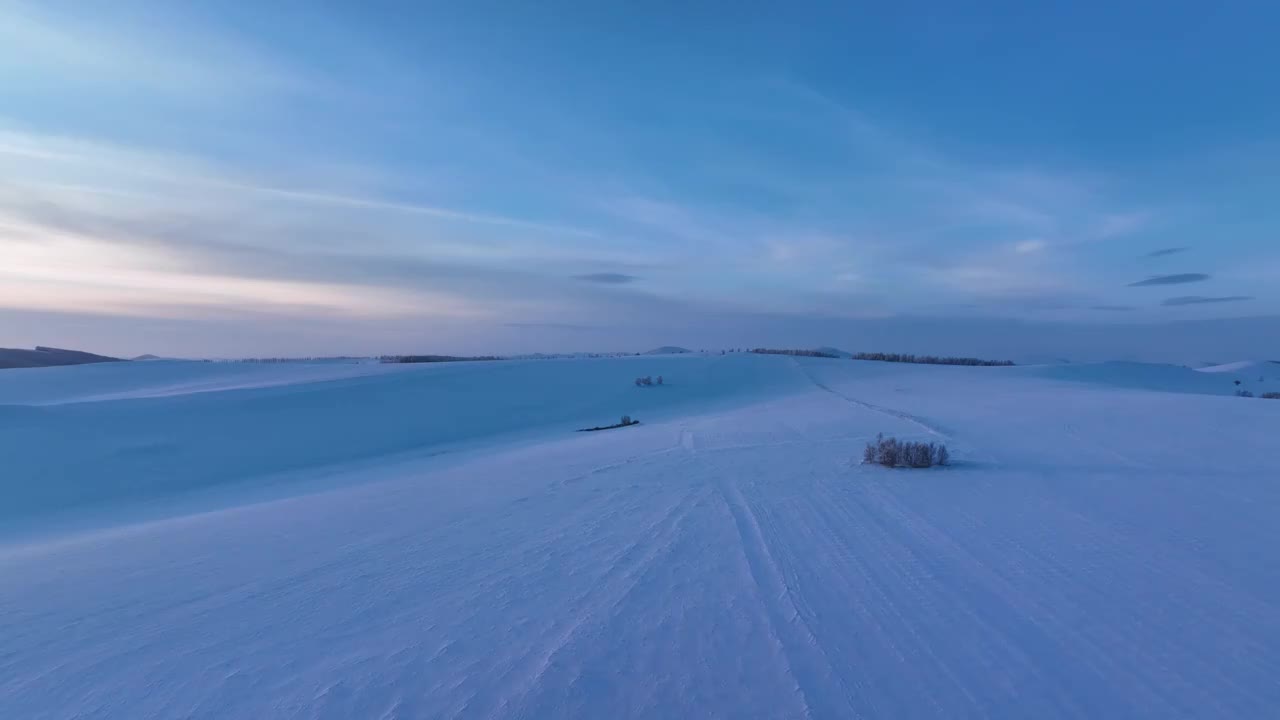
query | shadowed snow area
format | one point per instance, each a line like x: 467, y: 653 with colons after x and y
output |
x: 438, y: 542
x: 159, y: 442
x: 1257, y: 377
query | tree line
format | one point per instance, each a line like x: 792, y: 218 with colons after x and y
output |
x: 930, y: 359
x: 795, y: 353
x: 433, y: 358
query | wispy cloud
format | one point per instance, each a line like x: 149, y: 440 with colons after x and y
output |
x: 551, y: 326
x: 1114, y: 225
x: 95, y: 228
x: 92, y: 51
x: 1178, y: 279
x: 1162, y: 252
x: 1113, y: 308
x: 607, y: 278
x: 85, y: 160
x: 1202, y: 300
x: 412, y: 208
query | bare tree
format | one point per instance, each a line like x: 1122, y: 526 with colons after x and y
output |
x: 891, y: 452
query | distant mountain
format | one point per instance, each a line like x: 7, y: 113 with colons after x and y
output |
x: 47, y: 357
x: 834, y: 352
x: 148, y: 356
x: 668, y: 350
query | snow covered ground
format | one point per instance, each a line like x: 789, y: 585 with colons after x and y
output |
x: 194, y: 540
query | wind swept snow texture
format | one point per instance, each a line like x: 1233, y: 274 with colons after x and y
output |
x: 1093, y: 553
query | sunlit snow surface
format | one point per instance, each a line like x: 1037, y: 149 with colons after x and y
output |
x: 204, y: 540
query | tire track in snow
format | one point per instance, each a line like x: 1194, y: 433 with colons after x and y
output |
x: 1097, y: 653
x: 924, y: 591
x: 891, y: 412
x: 929, y: 428
x: 894, y: 589
x: 816, y: 542
x: 602, y: 469
x: 593, y: 606
x: 805, y: 661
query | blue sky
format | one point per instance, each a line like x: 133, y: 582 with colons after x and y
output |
x: 312, y: 178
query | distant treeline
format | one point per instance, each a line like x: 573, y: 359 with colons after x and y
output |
x: 433, y: 358
x: 796, y: 353
x: 326, y: 358
x: 930, y: 359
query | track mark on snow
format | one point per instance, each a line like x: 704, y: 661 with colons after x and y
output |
x: 597, y: 605
x: 686, y: 441
x: 805, y: 661
x: 899, y: 414
x: 610, y: 467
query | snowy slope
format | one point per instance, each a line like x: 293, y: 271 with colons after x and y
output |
x: 160, y: 378
x: 155, y: 440
x: 1257, y: 377
x: 1094, y: 553
x: 13, y: 358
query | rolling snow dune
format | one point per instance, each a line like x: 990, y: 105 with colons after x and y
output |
x: 271, y: 419
x: 160, y: 378
x: 1098, y: 549
x: 1257, y: 377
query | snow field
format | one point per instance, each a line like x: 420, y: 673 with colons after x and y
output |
x: 1098, y: 550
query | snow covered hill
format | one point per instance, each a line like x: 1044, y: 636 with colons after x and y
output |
x: 292, y: 541
x: 11, y: 358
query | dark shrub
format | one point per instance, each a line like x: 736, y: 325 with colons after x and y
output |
x: 891, y: 452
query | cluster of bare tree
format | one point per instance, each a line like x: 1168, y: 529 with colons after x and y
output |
x: 891, y: 452
x: 796, y: 353
x: 647, y: 381
x: 324, y: 358
x: 930, y: 359
x: 433, y: 358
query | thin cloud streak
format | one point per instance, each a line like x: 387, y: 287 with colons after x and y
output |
x: 551, y: 326
x: 607, y: 278
x: 412, y: 208
x: 1164, y: 252
x: 170, y: 170
x: 1201, y: 300
x: 1179, y: 279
